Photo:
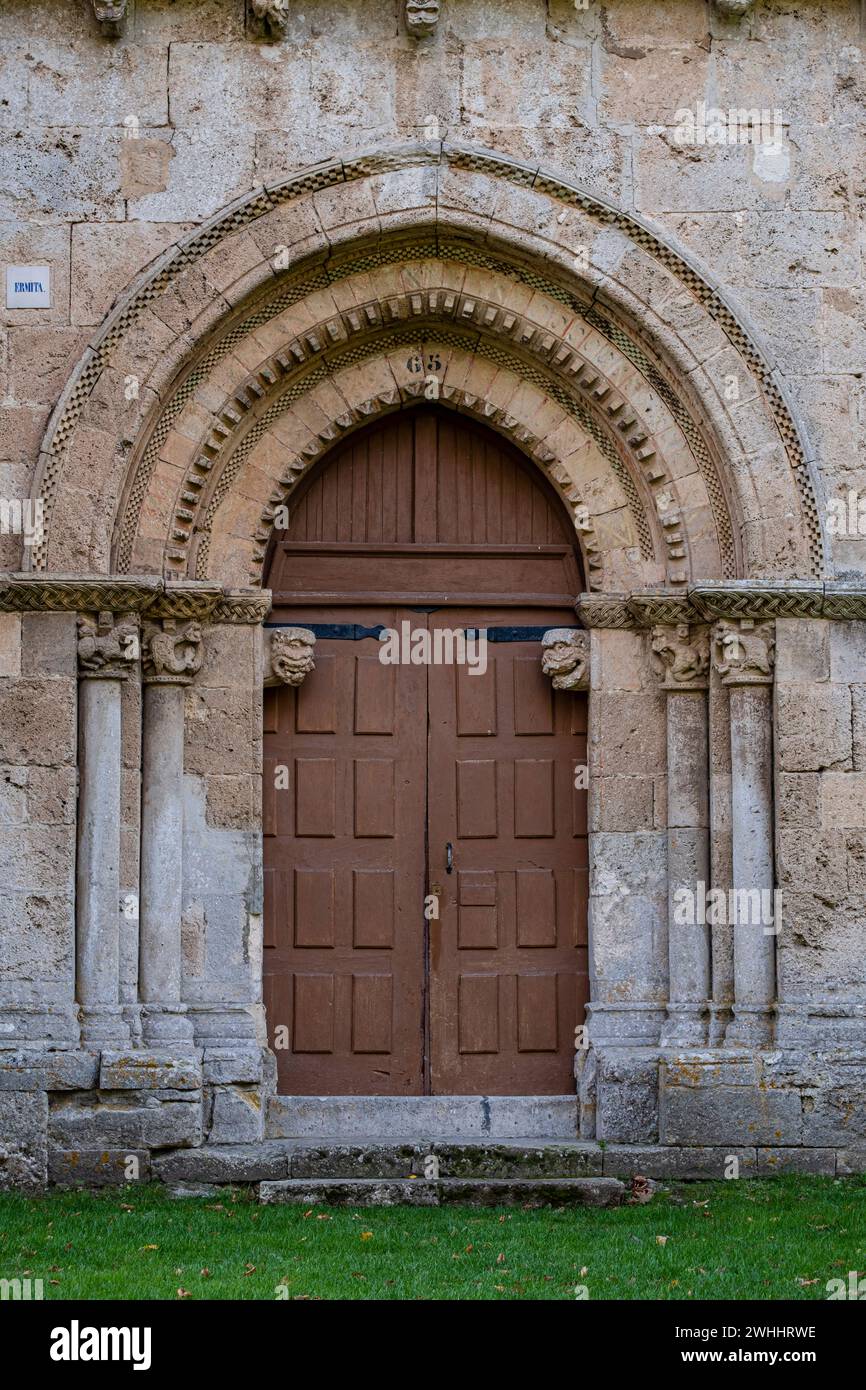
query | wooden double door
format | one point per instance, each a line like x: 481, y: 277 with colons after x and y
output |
x: 425, y: 833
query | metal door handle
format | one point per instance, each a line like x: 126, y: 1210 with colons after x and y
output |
x: 449, y: 858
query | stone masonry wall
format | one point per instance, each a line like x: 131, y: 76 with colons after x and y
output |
x: 110, y: 151
x: 592, y: 93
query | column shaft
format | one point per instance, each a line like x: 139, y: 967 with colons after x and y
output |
x: 98, y: 869
x: 688, y: 865
x: 162, y: 861
x: 752, y: 805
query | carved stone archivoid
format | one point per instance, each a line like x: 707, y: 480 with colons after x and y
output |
x: 744, y: 652
x: 422, y: 17
x: 565, y: 658
x: 110, y: 15
x: 106, y: 649
x: 172, y: 653
x: 270, y: 18
x: 682, y: 656
x: 288, y: 655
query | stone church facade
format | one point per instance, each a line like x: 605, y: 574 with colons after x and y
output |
x: 282, y: 241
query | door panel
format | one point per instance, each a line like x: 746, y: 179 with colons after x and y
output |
x: 345, y: 871
x: 508, y: 954
x: 432, y: 518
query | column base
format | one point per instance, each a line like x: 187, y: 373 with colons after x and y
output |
x: 685, y: 1023
x: 167, y: 1023
x: 224, y: 1025
x: 103, y: 1023
x: 753, y: 1025
x: 720, y: 1022
x: 625, y: 1025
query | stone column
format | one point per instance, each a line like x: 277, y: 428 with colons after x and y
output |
x: 682, y: 660
x: 172, y: 657
x: 106, y: 654
x: 744, y: 657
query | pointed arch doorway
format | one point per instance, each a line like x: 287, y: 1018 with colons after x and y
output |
x: 426, y: 865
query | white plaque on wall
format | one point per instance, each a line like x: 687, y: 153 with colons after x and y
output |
x: 28, y: 287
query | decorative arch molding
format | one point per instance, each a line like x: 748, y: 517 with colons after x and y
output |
x: 549, y: 240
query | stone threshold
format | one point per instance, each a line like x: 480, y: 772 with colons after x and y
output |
x: 409, y: 1117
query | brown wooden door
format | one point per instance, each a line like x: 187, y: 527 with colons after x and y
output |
x: 508, y: 953
x: 430, y: 519
x: 344, y: 871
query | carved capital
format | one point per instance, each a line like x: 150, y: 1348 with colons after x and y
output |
x: 288, y: 655
x: 681, y: 656
x: 271, y: 18
x: 110, y: 15
x: 421, y: 17
x: 107, y: 650
x: 172, y: 652
x: 733, y: 9
x: 744, y: 651
x: 565, y: 658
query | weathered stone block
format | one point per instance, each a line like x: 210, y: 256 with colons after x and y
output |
x: 10, y: 644
x: 701, y: 1164
x: 48, y: 1071
x: 836, y: 1116
x: 93, y: 1122
x: 147, y: 1071
x: 626, y: 1098
x: 729, y: 1115
x: 813, y: 727
x: 820, y: 1161
x: 38, y: 721
x: 238, y: 1116
x: 98, y: 1167
x: 23, y: 1140
x: 223, y: 1065
x: 226, y: 1163
x: 170, y: 1124
x: 49, y: 645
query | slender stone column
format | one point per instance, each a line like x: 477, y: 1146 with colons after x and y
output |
x: 683, y: 659
x: 172, y: 656
x: 744, y: 655
x: 106, y: 654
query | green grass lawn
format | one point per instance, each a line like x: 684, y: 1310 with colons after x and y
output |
x: 777, y: 1239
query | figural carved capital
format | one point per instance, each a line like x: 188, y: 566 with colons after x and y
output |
x: 565, y: 658
x: 288, y: 655
x: 272, y: 17
x: 744, y: 652
x: 107, y: 650
x: 110, y: 15
x: 172, y: 652
x: 733, y: 9
x: 681, y: 655
x: 421, y: 17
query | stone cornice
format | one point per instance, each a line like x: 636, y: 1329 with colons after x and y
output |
x: 147, y: 594
x: 743, y: 598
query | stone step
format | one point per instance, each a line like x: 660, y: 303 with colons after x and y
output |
x: 480, y: 1192
x: 326, y: 1158
x: 402, y: 1117
x: 506, y: 1158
